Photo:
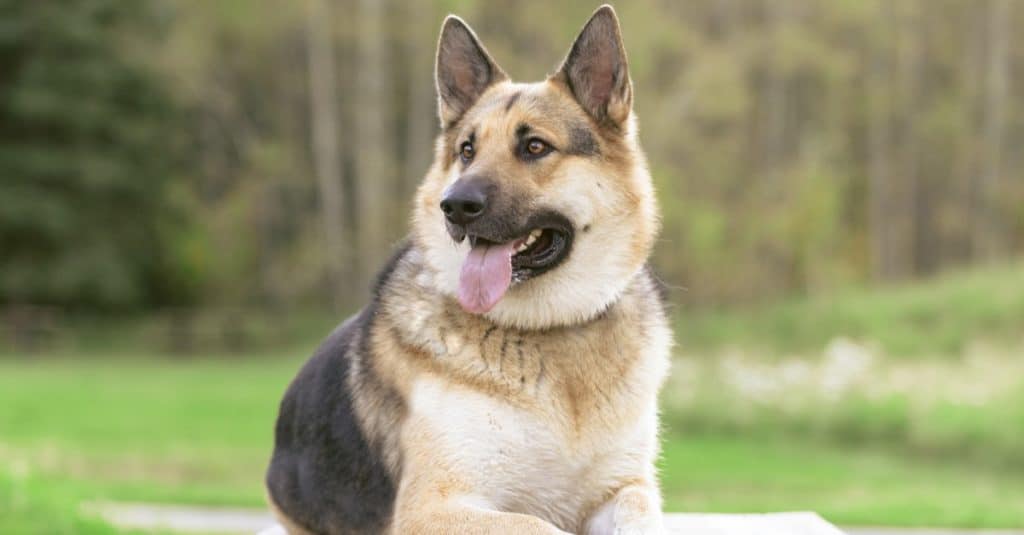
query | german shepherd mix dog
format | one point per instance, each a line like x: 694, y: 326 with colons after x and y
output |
x: 504, y: 377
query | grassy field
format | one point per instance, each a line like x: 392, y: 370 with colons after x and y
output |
x: 199, y: 432
x: 937, y: 318
x: 74, y: 430
x: 898, y: 406
x: 940, y: 318
x: 848, y: 486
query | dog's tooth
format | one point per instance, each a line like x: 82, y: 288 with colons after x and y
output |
x: 522, y: 247
x: 535, y: 233
x: 529, y: 240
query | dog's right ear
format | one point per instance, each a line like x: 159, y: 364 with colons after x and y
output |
x: 464, y: 70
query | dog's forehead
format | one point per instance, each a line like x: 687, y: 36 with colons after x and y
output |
x: 506, y: 96
x: 510, y: 104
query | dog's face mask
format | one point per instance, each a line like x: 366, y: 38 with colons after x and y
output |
x: 538, y: 209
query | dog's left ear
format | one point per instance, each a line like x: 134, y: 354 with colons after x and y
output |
x: 596, y: 71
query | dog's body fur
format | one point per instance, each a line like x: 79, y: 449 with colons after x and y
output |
x: 540, y: 414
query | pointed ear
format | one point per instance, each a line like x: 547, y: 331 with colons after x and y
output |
x: 464, y: 70
x: 595, y: 69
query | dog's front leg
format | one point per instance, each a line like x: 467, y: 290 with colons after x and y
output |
x: 634, y: 510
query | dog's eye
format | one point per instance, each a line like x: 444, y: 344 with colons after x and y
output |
x: 466, y: 152
x: 536, y: 148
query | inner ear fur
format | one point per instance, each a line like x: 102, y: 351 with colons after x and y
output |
x: 596, y: 70
x: 464, y: 70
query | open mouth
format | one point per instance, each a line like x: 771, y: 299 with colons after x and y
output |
x: 539, y: 250
x: 492, y: 266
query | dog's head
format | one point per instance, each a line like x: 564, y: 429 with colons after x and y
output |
x: 538, y: 209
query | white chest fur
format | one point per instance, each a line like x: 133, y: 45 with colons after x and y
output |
x: 549, y: 423
x: 525, y: 459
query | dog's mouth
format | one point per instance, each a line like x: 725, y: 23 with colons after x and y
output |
x: 539, y: 250
x: 494, y: 265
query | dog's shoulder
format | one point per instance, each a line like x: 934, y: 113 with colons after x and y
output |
x: 327, y: 469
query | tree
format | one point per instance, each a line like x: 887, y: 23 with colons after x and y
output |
x: 374, y: 163
x: 87, y: 144
x: 988, y: 226
x: 327, y: 159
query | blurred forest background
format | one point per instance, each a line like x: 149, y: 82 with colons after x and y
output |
x: 842, y: 184
x: 262, y: 154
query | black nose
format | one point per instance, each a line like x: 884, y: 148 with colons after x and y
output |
x: 465, y: 201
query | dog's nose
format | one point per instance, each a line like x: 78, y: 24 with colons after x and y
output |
x: 465, y: 201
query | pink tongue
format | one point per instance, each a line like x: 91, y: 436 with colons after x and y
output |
x: 486, y: 275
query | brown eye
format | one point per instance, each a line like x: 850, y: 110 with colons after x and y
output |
x: 534, y: 149
x: 466, y: 152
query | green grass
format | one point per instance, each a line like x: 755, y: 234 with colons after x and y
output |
x: 969, y: 409
x: 939, y: 317
x: 33, y: 505
x: 850, y: 487
x: 146, y: 429
x: 199, y: 431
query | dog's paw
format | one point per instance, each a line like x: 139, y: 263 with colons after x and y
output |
x: 631, y: 512
x: 636, y: 526
x: 644, y: 526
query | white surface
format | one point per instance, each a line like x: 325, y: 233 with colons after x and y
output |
x: 868, y: 530
x: 182, y: 518
x: 766, y: 524
x: 191, y: 519
x: 188, y: 519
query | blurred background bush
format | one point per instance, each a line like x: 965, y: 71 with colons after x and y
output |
x: 192, y: 193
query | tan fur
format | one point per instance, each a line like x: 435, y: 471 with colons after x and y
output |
x: 541, y: 415
x: 583, y: 388
x: 612, y: 197
x: 553, y: 426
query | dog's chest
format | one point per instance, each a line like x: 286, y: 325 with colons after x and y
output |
x: 553, y: 450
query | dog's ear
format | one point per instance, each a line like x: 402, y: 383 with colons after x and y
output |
x: 596, y: 71
x: 464, y: 70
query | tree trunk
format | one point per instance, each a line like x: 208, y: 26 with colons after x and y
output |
x: 773, y: 119
x: 374, y: 157
x: 421, y: 114
x: 907, y: 216
x: 962, y: 200
x: 988, y: 232
x: 879, y: 195
x: 327, y: 161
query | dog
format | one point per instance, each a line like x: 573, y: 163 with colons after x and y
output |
x: 504, y: 376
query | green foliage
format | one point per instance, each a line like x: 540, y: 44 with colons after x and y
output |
x: 87, y: 147
x: 797, y: 147
x: 939, y: 317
